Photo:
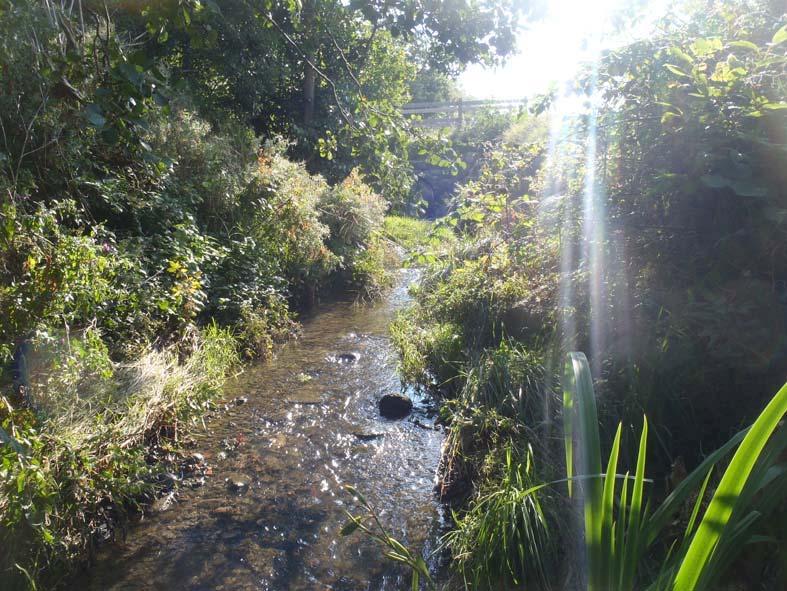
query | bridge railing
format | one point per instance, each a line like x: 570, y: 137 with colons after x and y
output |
x: 454, y: 111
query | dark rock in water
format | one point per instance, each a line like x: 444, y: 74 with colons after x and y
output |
x: 395, y: 406
x: 167, y: 479
x: 426, y: 426
x: 193, y: 463
x: 348, y: 358
x: 196, y: 482
x: 240, y: 400
x: 237, y: 482
x: 368, y: 436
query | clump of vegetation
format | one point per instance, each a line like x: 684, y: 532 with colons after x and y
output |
x: 504, y: 538
x: 417, y: 236
x: 155, y: 225
x: 428, y: 356
x: 78, y: 460
x: 657, y: 259
x: 354, y: 214
x: 619, y: 527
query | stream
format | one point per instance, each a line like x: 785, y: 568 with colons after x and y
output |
x: 310, y: 425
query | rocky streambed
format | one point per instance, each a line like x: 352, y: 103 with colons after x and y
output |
x: 264, y: 501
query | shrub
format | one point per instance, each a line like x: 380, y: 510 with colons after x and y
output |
x: 287, y: 218
x: 354, y: 214
x: 50, y: 274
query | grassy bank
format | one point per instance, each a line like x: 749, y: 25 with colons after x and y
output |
x: 83, y: 446
x: 653, y: 262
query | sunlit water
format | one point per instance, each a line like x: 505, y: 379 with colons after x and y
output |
x: 299, y: 444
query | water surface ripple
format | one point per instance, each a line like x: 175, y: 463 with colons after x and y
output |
x: 304, y: 432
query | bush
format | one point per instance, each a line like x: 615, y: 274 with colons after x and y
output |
x: 354, y: 214
x: 52, y: 273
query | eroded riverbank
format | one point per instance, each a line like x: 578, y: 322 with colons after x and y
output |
x: 310, y: 425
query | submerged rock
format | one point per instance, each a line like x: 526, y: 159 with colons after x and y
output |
x: 426, y: 426
x: 168, y: 480
x: 368, y: 436
x: 237, y: 482
x: 395, y: 406
x: 348, y: 358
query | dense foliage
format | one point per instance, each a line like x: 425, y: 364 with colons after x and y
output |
x: 177, y: 180
x: 647, y: 229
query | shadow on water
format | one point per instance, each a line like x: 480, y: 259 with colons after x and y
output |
x: 310, y: 425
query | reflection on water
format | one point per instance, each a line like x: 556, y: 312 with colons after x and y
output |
x: 309, y: 426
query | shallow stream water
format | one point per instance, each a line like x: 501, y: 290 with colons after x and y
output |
x: 310, y: 425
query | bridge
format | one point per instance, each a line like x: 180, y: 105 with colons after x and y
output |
x: 453, y: 113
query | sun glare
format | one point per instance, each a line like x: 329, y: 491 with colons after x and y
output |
x: 552, y: 48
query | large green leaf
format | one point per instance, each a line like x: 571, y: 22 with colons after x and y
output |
x: 780, y: 36
x: 726, y: 499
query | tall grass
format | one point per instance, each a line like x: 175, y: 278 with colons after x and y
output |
x: 409, y: 233
x: 504, y: 538
x: 83, y: 449
x: 509, y: 379
x: 81, y: 396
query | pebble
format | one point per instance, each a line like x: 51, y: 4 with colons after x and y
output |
x: 237, y: 482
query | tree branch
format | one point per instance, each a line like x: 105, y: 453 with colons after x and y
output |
x: 342, y: 111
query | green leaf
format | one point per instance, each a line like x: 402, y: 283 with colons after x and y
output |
x: 8, y: 440
x: 582, y: 433
x: 349, y: 527
x: 723, y: 73
x: 676, y: 70
x: 634, y: 533
x: 779, y: 36
x: 94, y: 115
x: 705, y: 47
x: 725, y: 500
x: 669, y: 117
x: 681, y: 55
x: 607, y: 549
x: 745, y: 45
x: 697, y: 505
